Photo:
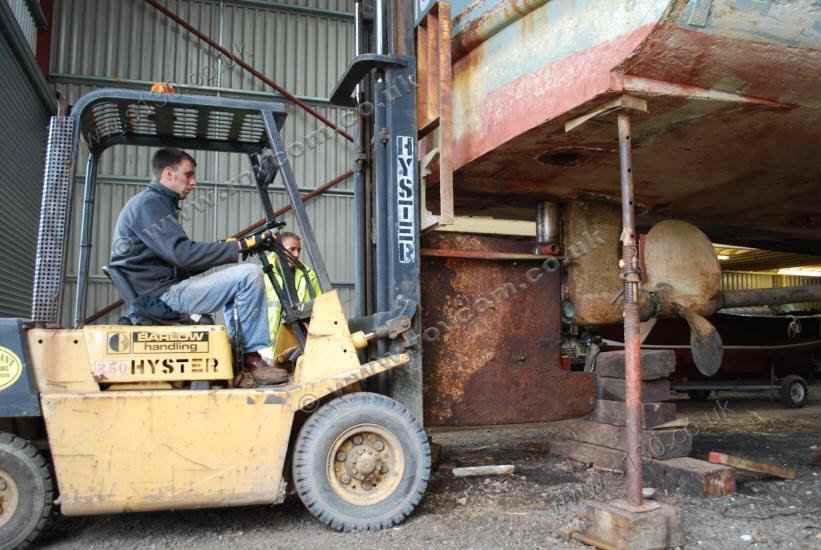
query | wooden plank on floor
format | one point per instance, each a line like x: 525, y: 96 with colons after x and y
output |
x: 752, y: 466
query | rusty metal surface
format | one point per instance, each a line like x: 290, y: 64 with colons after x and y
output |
x: 733, y: 113
x: 491, y: 336
x: 632, y: 335
x: 446, y: 211
x: 590, y: 240
x: 482, y: 254
x: 483, y: 20
x: 434, y: 74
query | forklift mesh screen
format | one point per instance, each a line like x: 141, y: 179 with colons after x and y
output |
x: 54, y: 222
x: 112, y: 121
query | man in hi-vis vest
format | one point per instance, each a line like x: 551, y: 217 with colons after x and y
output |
x: 306, y: 282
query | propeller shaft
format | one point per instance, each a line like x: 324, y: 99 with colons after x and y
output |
x: 770, y: 296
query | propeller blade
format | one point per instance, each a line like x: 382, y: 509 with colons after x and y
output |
x: 705, y: 341
x: 680, y: 258
x: 646, y: 327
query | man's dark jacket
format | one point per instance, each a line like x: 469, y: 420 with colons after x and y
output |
x: 151, y: 248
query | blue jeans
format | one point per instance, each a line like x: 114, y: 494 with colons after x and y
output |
x: 238, y: 287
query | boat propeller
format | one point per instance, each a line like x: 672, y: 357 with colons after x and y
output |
x: 683, y: 279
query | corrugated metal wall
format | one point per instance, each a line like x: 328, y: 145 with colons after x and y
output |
x: 740, y: 280
x: 302, y: 45
x: 22, y: 142
x: 26, y: 22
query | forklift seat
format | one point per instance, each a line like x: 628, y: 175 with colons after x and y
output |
x: 148, y: 311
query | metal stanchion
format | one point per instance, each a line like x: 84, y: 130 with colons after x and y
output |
x: 632, y: 338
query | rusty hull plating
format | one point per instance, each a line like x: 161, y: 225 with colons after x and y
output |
x: 734, y: 120
x: 492, y: 338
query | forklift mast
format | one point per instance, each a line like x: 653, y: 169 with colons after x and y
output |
x: 380, y: 84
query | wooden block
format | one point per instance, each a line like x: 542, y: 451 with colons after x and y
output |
x: 689, y: 476
x: 664, y: 444
x: 651, y: 392
x: 655, y: 364
x: 472, y: 471
x: 600, y: 457
x: 679, y: 422
x: 659, y: 444
x: 749, y: 465
x: 612, y: 412
x: 621, y: 526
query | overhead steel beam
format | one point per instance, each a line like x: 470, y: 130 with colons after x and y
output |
x: 304, y: 10
x: 62, y: 78
x: 239, y: 61
x: 324, y: 189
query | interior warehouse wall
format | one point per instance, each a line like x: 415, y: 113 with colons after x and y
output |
x: 22, y: 153
x: 303, y: 46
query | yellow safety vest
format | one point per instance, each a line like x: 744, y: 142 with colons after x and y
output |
x: 304, y: 286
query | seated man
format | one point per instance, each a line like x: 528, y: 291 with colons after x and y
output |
x: 153, y: 253
x: 306, y: 283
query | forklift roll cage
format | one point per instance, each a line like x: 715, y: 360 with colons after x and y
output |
x: 109, y: 117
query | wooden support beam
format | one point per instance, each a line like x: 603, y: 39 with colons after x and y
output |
x: 624, y: 102
x: 655, y: 364
x: 653, y: 414
x: 660, y: 444
x: 602, y: 458
x: 752, y: 466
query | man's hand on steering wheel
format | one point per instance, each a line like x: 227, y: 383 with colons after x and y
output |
x: 261, y: 241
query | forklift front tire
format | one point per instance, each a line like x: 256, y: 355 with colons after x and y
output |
x: 26, y: 492
x: 361, y: 463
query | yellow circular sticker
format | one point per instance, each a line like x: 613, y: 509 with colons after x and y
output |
x: 10, y: 368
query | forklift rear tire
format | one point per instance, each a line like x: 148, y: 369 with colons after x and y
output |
x: 361, y: 463
x: 794, y: 392
x: 26, y: 492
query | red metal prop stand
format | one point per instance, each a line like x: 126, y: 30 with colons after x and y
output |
x: 632, y: 339
x: 622, y: 107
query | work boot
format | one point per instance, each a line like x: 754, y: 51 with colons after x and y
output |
x: 263, y: 373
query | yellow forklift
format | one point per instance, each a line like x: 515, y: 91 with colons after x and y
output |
x: 142, y: 417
